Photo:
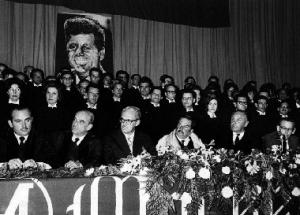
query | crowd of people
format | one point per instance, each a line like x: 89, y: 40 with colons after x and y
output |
x: 64, y: 121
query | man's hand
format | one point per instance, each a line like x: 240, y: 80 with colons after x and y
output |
x: 73, y: 165
x: 29, y: 163
x: 15, y: 163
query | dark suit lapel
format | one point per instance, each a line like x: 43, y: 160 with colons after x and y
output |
x: 121, y: 139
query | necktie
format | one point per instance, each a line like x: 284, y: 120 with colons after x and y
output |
x: 130, y: 143
x: 284, y: 142
x: 22, y: 148
x: 237, y: 139
x: 76, y: 140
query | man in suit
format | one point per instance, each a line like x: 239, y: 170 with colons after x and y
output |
x: 238, y: 137
x: 284, y: 136
x: 127, y: 140
x: 81, y: 148
x: 23, y: 145
x: 182, y: 137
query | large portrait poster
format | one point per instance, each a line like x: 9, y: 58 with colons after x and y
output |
x: 79, y: 44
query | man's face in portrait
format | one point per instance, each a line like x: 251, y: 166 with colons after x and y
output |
x: 83, y: 53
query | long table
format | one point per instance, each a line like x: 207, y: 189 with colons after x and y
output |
x: 107, y: 195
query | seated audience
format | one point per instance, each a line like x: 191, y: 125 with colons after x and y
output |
x: 182, y: 137
x: 283, y: 137
x: 127, y: 140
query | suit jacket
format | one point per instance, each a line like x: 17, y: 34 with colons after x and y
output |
x: 116, y: 146
x: 88, y: 153
x: 245, y: 144
x: 37, y: 147
x: 274, y: 139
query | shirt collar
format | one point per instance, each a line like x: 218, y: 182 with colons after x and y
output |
x: 116, y: 99
x: 52, y: 105
x: 37, y: 85
x: 18, y: 138
x: 146, y: 97
x: 90, y: 106
x: 261, y: 113
x: 14, y: 102
x: 240, y: 135
x: 211, y: 115
x: 80, y: 139
x: 171, y: 100
x: 155, y: 104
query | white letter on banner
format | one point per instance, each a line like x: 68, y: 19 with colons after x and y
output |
x: 143, y: 196
x: 76, y: 206
x: 19, y: 199
x: 94, y: 196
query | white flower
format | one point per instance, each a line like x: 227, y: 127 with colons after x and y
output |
x: 89, y: 172
x: 144, y: 171
x: 204, y: 173
x: 258, y: 189
x: 296, y: 191
x: 217, y: 158
x: 127, y: 167
x: 297, y: 159
x: 292, y: 166
x: 3, y: 165
x: 179, y: 153
x: 227, y: 192
x: 282, y: 171
x: 275, y: 148
x: 190, y: 174
x: 184, y: 156
x: 269, y: 175
x: 175, y: 196
x: 186, y: 197
x: 252, y: 169
x: 226, y: 170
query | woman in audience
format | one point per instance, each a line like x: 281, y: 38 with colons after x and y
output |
x: 210, y: 123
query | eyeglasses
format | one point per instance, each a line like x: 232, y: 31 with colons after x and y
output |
x: 170, y: 91
x: 286, y: 129
x: 242, y: 103
x: 128, y: 121
x: 184, y: 127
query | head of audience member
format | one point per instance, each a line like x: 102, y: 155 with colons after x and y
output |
x: 82, y: 123
x: 95, y: 75
x: 170, y: 92
x: 118, y: 90
x: 21, y: 121
x: 123, y: 76
x: 212, y: 89
x: 239, y: 122
x: 261, y: 103
x: 250, y: 91
x: 135, y: 80
x: 53, y: 93
x: 130, y: 119
x: 287, y: 86
x: 211, y: 104
x: 85, y: 44
x: 184, y: 127
x: 23, y: 77
x: 2, y: 68
x: 295, y: 95
x: 8, y: 73
x: 264, y: 93
x: 14, y: 89
x: 286, y: 127
x: 284, y: 108
x: 37, y: 76
x: 67, y: 79
x: 156, y: 95
x: 189, y: 82
x: 282, y: 94
x: 92, y: 94
x: 50, y: 79
x: 82, y: 86
x: 229, y: 90
x: 188, y: 98
x: 197, y: 89
x: 165, y: 80
x: 213, y: 79
x: 241, y: 102
x: 107, y: 80
x: 270, y: 88
x: 28, y: 69
x: 145, y: 86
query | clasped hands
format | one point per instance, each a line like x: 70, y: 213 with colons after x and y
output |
x: 73, y: 165
x: 16, y: 163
